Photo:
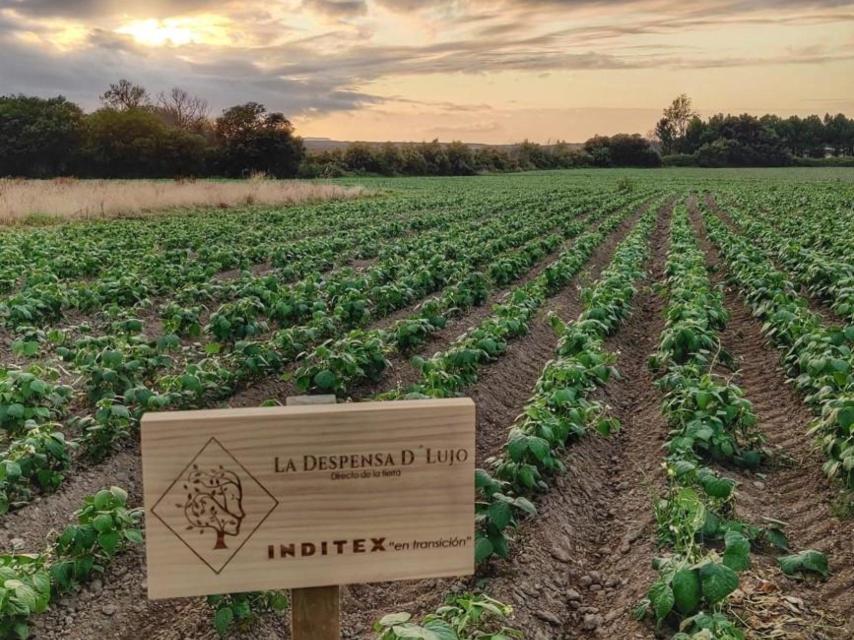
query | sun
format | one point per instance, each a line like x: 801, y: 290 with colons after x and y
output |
x: 177, y: 32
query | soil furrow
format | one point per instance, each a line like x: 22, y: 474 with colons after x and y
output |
x: 815, y: 304
x: 584, y: 561
x: 401, y: 374
x: 166, y: 620
x: 794, y: 489
x: 34, y: 521
x: 277, y: 387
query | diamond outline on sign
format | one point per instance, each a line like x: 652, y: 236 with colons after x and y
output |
x: 181, y: 476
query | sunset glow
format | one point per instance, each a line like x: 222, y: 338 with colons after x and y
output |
x: 473, y: 70
x: 177, y: 32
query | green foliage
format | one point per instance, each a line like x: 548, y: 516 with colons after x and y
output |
x: 497, y: 512
x: 37, y: 460
x: 104, y: 527
x: 103, y: 432
x: 38, y: 137
x: 463, y: 617
x: 335, y: 365
x: 135, y: 143
x: 30, y: 395
x: 28, y: 582
x: 239, y: 611
x: 237, y: 320
x: 561, y: 409
x: 252, y: 140
x: 805, y: 562
x: 818, y: 357
x: 24, y: 592
x: 684, y: 588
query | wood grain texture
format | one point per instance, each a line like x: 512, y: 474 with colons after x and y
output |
x: 315, y: 611
x: 316, y: 614
x: 308, y: 496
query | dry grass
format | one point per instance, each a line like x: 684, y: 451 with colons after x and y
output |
x: 47, y: 201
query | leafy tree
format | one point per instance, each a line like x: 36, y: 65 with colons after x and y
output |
x: 413, y: 162
x: 599, y: 150
x: 672, y: 128
x: 435, y: 158
x: 38, y: 137
x: 360, y: 157
x: 632, y: 150
x: 530, y: 155
x: 839, y: 134
x: 665, y: 133
x: 134, y: 143
x: 621, y: 150
x: 814, y: 136
x: 460, y: 159
x: 253, y: 140
x: 679, y: 114
x: 391, y: 159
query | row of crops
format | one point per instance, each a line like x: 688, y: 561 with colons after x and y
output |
x: 105, y: 321
x: 86, y: 377
x: 713, y: 427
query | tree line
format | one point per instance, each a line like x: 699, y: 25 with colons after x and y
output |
x: 171, y: 135
x: 744, y: 140
x: 460, y: 159
x: 135, y: 136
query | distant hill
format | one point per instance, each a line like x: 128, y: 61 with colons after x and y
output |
x: 317, y: 145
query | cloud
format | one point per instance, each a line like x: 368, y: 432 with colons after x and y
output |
x: 318, y: 57
x: 337, y: 8
x: 224, y: 80
x: 82, y: 9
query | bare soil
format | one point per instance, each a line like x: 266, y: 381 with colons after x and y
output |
x: 580, y: 566
x: 793, y: 488
x: 123, y: 611
x: 815, y: 304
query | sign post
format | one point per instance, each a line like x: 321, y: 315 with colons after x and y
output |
x: 315, y: 611
x: 307, y: 496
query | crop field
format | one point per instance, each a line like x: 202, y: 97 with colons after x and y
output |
x: 662, y: 365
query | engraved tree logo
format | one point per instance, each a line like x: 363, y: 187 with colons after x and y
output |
x: 214, y: 501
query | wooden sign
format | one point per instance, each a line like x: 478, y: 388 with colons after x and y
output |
x: 305, y: 496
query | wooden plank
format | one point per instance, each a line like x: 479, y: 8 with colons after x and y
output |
x: 315, y: 611
x: 308, y: 496
x: 302, y: 401
x: 315, y: 614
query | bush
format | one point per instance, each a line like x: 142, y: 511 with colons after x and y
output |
x: 679, y: 160
x: 842, y: 161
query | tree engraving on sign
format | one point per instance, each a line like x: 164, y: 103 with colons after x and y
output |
x: 214, y: 501
x: 214, y: 505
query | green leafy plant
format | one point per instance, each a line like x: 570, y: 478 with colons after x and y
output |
x: 337, y: 364
x: 30, y: 395
x: 24, y: 592
x: 241, y: 610
x: 103, y: 432
x: 37, y: 460
x: 496, y: 513
x: 805, y: 562
x: 463, y: 617
x: 104, y: 527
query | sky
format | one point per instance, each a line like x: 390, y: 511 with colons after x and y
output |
x: 492, y: 71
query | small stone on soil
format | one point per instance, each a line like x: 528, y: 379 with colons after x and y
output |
x: 560, y: 555
x: 548, y: 617
x: 591, y: 622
